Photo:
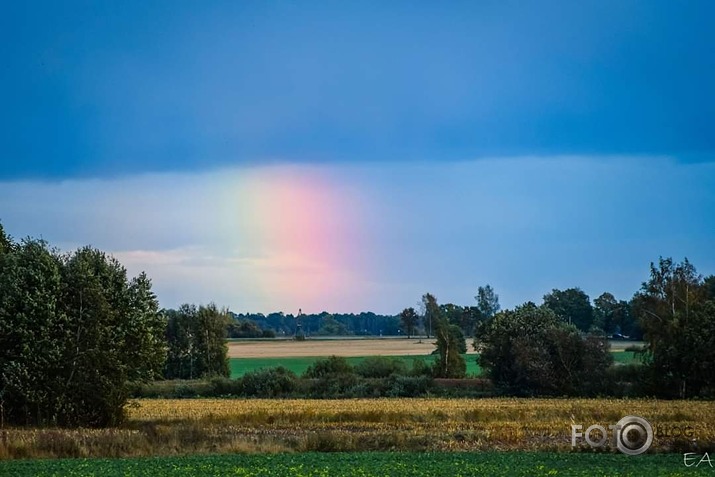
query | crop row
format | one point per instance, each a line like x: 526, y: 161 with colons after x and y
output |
x: 367, y: 465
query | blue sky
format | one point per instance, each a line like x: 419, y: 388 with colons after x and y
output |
x: 530, y: 145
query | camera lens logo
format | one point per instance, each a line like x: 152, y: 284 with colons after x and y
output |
x: 634, y: 435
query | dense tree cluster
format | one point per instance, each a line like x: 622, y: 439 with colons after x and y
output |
x: 196, y: 337
x: 676, y: 308
x: 74, y: 330
x: 531, y: 350
x: 247, y: 329
x: 348, y: 324
x: 76, y: 334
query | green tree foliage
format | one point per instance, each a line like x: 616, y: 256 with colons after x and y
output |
x: 450, y: 342
x: 247, y: 329
x: 709, y: 284
x: 361, y: 324
x: 615, y: 317
x: 33, y: 339
x: 678, y: 322
x: 465, y: 317
x: 530, y: 350
x: 73, y: 332
x: 332, y: 376
x: 6, y: 242
x: 331, y: 327
x: 197, y: 342
x: 571, y: 305
x: 270, y: 382
x: 487, y: 302
x: 471, y: 316
x: 409, y: 319
x: 431, y: 312
x: 328, y: 366
x: 380, y: 367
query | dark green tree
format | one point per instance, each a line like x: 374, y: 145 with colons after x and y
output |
x: 709, y: 285
x: 603, y: 312
x: 571, y: 305
x: 114, y: 331
x: 244, y: 329
x: 332, y: 327
x: 431, y: 312
x: 531, y: 351
x: 196, y: 338
x: 450, y: 342
x: 678, y: 324
x: 409, y: 318
x: 487, y: 302
x: 6, y: 242
x: 33, y: 339
x: 74, y: 332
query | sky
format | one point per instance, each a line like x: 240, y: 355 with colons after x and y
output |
x: 351, y: 156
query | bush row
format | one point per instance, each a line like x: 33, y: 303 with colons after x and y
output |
x: 281, y: 383
x: 334, y: 377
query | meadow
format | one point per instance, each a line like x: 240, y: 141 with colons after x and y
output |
x: 298, y: 364
x: 250, y: 355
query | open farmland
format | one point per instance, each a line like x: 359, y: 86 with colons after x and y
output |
x: 200, y: 426
x: 327, y: 347
x: 250, y: 355
x: 400, y: 464
x: 241, y: 366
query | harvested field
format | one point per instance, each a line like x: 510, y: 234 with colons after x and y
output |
x: 201, y: 426
x: 328, y: 347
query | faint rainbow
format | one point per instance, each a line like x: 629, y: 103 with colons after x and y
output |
x: 302, y: 230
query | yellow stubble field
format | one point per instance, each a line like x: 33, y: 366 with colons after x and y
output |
x: 329, y: 347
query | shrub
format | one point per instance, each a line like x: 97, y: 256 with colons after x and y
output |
x: 226, y: 387
x: 268, y: 382
x: 336, y: 385
x: 409, y: 386
x: 325, y: 367
x: 420, y: 368
x: 626, y: 380
x: 369, y: 388
x: 380, y: 367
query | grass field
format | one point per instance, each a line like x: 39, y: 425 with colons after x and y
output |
x: 241, y: 366
x: 382, y: 464
x: 298, y: 364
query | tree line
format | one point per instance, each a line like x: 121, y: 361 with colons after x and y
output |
x: 258, y: 325
x: 605, y: 314
x: 560, y: 347
x: 76, y: 331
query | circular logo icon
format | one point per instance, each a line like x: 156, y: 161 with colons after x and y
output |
x: 634, y: 435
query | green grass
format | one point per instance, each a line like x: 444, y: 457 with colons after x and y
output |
x: 495, y: 464
x: 241, y: 366
x: 626, y: 357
